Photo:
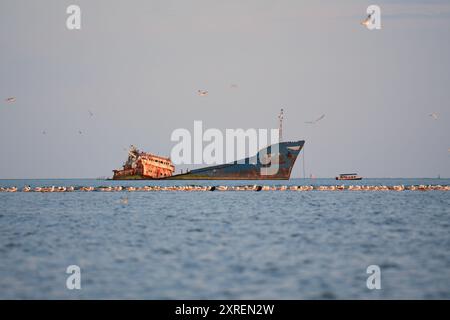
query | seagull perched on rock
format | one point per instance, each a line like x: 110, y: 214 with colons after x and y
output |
x: 317, y: 120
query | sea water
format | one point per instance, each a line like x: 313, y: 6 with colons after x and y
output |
x: 225, y: 245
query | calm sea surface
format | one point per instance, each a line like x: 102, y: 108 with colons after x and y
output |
x: 225, y: 245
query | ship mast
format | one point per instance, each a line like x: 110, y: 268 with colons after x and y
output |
x: 280, y: 129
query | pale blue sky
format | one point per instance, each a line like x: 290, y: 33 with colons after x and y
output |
x: 138, y: 64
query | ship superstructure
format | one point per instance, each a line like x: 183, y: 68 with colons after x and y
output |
x: 142, y: 165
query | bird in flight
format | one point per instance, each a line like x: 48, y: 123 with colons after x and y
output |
x: 317, y: 120
x: 202, y: 93
x: 44, y: 132
x: 10, y: 99
x: 80, y: 132
x: 90, y: 113
x: 434, y: 116
x: 367, y: 20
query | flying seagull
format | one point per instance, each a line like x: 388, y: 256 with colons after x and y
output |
x: 90, y: 113
x: 10, y: 99
x: 367, y: 20
x: 317, y: 120
x: 44, y: 132
x: 434, y: 116
x: 202, y: 93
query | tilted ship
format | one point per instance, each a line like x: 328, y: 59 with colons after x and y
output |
x: 274, y: 162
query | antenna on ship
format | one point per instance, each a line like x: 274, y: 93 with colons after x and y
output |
x: 280, y: 129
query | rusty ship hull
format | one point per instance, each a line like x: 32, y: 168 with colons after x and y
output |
x: 144, y: 166
x: 252, y: 168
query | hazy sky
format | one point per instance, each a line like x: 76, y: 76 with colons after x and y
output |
x: 137, y: 65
